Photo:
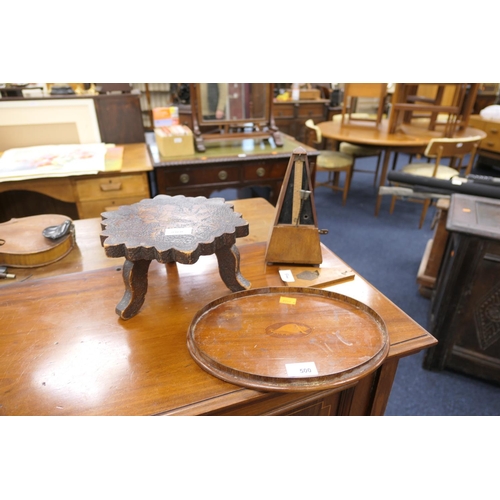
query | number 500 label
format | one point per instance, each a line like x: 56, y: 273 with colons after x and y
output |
x: 301, y: 369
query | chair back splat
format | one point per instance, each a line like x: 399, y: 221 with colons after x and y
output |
x: 353, y: 91
x: 332, y: 162
x: 454, y: 149
x: 426, y: 103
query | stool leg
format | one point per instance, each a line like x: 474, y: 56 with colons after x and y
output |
x: 135, y: 278
x: 229, y: 269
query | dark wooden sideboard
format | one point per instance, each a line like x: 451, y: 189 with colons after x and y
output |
x: 465, y: 310
x: 290, y: 116
x: 227, y: 164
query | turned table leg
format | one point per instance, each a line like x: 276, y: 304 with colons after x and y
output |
x: 383, y: 177
x: 135, y: 277
x: 229, y: 269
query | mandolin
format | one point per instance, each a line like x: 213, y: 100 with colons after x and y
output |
x: 23, y: 244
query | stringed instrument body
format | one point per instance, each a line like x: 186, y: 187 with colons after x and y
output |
x: 23, y: 245
x: 295, y: 237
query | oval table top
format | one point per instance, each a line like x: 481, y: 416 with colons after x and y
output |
x: 367, y: 133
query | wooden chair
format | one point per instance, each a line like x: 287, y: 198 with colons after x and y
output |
x: 410, y: 103
x: 357, y: 151
x: 333, y: 162
x: 355, y: 90
x: 454, y: 149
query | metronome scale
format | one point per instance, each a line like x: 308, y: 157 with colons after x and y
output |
x: 295, y: 235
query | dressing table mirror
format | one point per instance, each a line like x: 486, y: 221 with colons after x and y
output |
x: 232, y: 111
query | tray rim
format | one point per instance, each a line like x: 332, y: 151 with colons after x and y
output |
x: 288, y: 384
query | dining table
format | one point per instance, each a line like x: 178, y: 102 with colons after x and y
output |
x: 409, y: 138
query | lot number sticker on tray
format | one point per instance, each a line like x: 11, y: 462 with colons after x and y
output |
x: 301, y: 369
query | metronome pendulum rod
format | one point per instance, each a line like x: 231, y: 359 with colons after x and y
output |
x: 297, y: 187
x: 304, y: 195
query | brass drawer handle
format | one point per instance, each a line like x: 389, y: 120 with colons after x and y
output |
x: 222, y: 175
x: 490, y: 144
x: 494, y: 131
x: 261, y: 171
x: 184, y: 178
x: 111, y: 186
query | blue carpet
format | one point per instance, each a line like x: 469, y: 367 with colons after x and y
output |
x: 387, y: 250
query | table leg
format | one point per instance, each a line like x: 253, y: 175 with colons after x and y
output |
x: 229, y: 269
x: 383, y: 176
x: 135, y: 278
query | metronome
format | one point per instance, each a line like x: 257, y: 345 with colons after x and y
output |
x: 295, y: 235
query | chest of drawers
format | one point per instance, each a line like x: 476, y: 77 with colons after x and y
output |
x: 489, y: 149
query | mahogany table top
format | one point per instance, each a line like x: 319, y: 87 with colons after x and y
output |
x: 64, y: 351
x: 368, y: 134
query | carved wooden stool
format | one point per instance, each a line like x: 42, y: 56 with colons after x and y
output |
x: 172, y: 229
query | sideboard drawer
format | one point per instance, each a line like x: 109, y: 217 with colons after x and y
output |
x: 190, y: 177
x: 286, y: 110
x: 313, y: 110
x: 110, y: 187
x: 265, y: 170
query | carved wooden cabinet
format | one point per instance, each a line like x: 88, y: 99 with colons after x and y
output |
x: 290, y: 116
x: 465, y: 310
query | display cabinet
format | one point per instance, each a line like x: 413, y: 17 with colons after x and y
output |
x: 465, y: 310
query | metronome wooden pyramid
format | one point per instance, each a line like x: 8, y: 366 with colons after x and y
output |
x: 294, y: 238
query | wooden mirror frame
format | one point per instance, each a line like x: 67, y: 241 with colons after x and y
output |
x: 231, y: 128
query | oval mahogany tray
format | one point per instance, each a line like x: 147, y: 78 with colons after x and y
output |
x: 288, y: 339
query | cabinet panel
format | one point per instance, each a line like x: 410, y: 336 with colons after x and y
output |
x: 324, y: 404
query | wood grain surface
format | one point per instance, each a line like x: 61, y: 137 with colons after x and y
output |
x: 288, y: 339
x: 64, y: 351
